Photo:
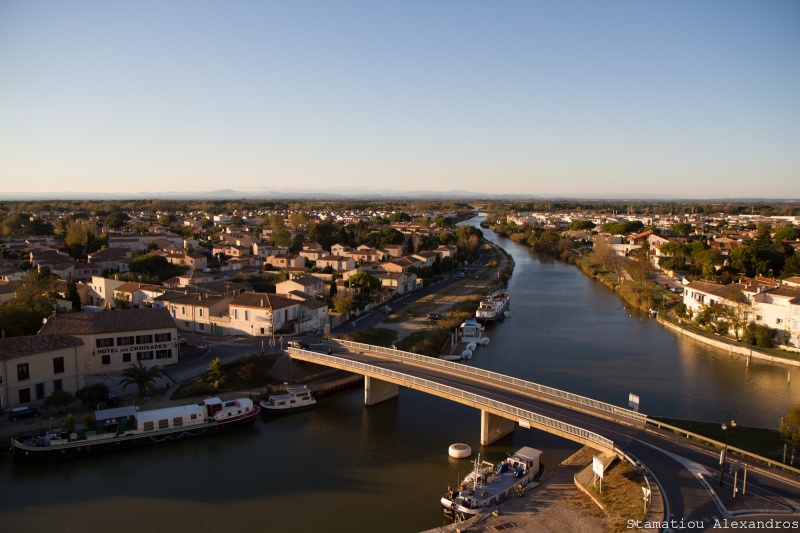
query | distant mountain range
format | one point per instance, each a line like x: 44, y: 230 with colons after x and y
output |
x: 345, y: 194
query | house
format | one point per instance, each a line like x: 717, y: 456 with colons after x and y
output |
x: 260, y: 314
x: 100, y: 292
x: 338, y: 263
x: 312, y: 251
x: 196, y: 312
x: 112, y: 340
x: 309, y: 285
x: 117, y: 259
x: 779, y: 308
x: 133, y: 294
x: 394, y: 250
x: 446, y: 251
x: 286, y: 261
x: 33, y: 366
x: 427, y: 258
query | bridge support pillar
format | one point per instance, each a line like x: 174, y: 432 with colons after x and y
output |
x: 377, y: 391
x: 494, y: 427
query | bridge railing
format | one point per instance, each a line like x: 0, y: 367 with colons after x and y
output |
x: 407, y: 380
x: 619, y: 412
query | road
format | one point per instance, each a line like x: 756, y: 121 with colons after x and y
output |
x: 687, y: 472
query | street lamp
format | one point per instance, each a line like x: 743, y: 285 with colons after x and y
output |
x: 728, y: 421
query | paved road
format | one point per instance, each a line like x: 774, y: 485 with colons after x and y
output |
x: 687, y: 472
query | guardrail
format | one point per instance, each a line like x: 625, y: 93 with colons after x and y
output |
x: 408, y: 380
x: 717, y: 444
x: 619, y: 412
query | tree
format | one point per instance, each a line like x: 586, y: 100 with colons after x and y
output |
x: 334, y: 289
x: 144, y: 378
x: 116, y: 220
x: 71, y: 294
x: 34, y: 302
x: 91, y: 395
x: 342, y: 303
x: 365, y: 282
x: 578, y: 225
x: 59, y: 399
x: 790, y: 429
x: 683, y: 228
x: 216, y: 371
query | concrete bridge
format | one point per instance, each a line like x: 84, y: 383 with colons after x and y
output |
x: 497, y: 396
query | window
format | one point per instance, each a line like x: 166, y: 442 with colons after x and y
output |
x: 125, y: 341
x: 246, y: 315
x: 163, y: 354
x: 144, y: 356
x: 104, y: 343
x: 200, y: 311
x: 148, y: 426
x: 144, y: 339
x: 758, y: 317
x: 23, y: 372
x: 126, y: 357
x: 163, y: 337
x: 183, y: 310
x: 105, y: 359
x: 177, y: 422
x: 186, y: 324
x: 40, y: 391
x: 236, y: 314
x: 163, y: 424
x: 58, y: 365
x: 58, y: 385
x: 201, y: 326
x: 24, y: 395
x: 779, y: 321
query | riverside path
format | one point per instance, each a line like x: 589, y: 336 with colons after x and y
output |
x: 685, y: 473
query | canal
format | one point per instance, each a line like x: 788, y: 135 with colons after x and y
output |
x: 345, y: 468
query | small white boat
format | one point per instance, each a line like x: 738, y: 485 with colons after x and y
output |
x: 293, y: 399
x: 489, y: 484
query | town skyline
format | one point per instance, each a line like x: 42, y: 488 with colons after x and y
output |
x: 617, y: 100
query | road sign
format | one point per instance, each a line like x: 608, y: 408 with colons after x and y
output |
x: 597, y: 467
x: 722, y: 456
x: 633, y: 401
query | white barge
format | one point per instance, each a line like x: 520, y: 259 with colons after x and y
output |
x: 488, y: 484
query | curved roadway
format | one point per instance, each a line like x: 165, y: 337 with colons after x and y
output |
x: 687, y: 472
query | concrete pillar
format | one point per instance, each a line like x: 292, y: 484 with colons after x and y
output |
x: 377, y: 391
x: 494, y: 427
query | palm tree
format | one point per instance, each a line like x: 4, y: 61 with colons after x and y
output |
x: 216, y: 372
x: 142, y: 377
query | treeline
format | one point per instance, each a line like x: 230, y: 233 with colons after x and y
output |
x: 787, y: 208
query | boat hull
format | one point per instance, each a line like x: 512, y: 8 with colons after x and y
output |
x: 24, y: 453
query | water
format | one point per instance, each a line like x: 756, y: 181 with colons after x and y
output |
x: 343, y: 467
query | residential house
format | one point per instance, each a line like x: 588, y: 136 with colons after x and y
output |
x: 338, y: 263
x: 310, y: 285
x: 260, y: 314
x: 33, y: 366
x: 100, y: 292
x: 196, y: 312
x: 117, y: 259
x: 133, y: 294
x: 290, y: 261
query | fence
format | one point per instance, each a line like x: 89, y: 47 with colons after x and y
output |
x: 619, y: 412
x: 453, y: 392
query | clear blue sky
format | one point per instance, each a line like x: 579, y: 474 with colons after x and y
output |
x: 687, y: 98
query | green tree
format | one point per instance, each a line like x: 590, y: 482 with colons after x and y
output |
x: 577, y: 225
x: 787, y: 233
x: 216, y: 371
x: 34, y: 301
x: 683, y: 228
x: 91, y: 395
x: 71, y: 294
x: 342, y: 303
x: 58, y: 399
x: 144, y: 378
x: 399, y: 216
x: 790, y: 429
x: 365, y: 282
x: 116, y: 220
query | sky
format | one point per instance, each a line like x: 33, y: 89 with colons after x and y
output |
x: 616, y: 98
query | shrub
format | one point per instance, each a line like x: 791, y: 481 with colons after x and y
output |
x: 91, y: 395
x: 758, y: 335
x: 58, y: 399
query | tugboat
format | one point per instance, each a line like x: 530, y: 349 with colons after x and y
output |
x: 294, y: 399
x: 488, y: 484
x: 126, y: 427
x: 493, y: 308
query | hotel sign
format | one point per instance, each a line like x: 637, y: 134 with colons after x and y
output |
x: 134, y: 348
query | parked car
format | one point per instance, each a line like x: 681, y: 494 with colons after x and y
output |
x: 436, y: 316
x: 22, y: 412
x: 181, y: 340
x: 299, y: 344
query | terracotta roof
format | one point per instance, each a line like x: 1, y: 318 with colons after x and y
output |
x: 108, y: 322
x: 262, y: 300
x: 32, y: 344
